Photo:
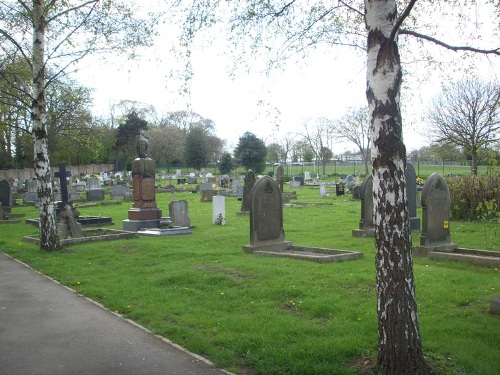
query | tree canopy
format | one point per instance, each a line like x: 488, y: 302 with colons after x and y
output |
x: 251, y: 152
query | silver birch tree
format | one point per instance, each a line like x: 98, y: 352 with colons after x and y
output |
x: 301, y: 24
x: 75, y: 30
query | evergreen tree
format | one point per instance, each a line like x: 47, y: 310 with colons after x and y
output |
x: 251, y: 152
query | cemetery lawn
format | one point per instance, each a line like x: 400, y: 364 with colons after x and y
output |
x: 252, y: 314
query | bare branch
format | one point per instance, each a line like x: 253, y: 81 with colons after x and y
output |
x: 495, y: 51
x: 400, y: 20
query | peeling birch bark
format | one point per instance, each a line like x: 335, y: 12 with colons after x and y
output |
x: 399, y: 349
x: 49, y: 240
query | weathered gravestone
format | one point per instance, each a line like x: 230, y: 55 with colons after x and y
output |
x: 94, y: 193
x: 322, y: 190
x: 68, y: 225
x: 436, y: 204
x: 280, y: 177
x: 5, y: 198
x: 366, y: 221
x: 340, y: 188
x: 300, y: 179
x: 247, y: 191
x: 266, y: 217
x: 356, y: 192
x: 207, y: 195
x: 179, y: 214
x: 219, y: 210
x: 119, y: 191
x: 411, y: 192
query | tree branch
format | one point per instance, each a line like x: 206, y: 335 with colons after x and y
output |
x: 495, y: 51
x: 400, y: 20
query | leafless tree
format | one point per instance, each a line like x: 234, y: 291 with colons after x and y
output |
x: 467, y: 115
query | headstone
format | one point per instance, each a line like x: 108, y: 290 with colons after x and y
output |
x: 436, y: 204
x: 266, y: 217
x: 5, y: 198
x: 181, y: 181
x: 349, y: 182
x: 322, y: 190
x: 68, y: 224
x: 192, y: 179
x: 300, y: 179
x: 205, y: 186
x: 247, y: 191
x: 219, y: 210
x: 93, y: 183
x: 340, y: 188
x: 495, y: 306
x: 235, y: 184
x: 280, y: 177
x: 356, y: 192
x: 411, y: 192
x: 30, y: 198
x: 179, y: 214
x: 366, y: 222
x: 94, y: 193
x: 294, y: 184
x: 119, y: 191
x: 207, y: 195
x: 307, y: 175
x: 32, y: 186
x: 203, y: 176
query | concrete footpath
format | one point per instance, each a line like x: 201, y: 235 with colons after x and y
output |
x: 45, y: 328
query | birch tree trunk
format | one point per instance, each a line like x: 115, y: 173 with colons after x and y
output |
x: 49, y: 240
x: 399, y: 348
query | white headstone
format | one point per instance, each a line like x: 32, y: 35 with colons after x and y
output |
x: 307, y: 175
x: 322, y: 190
x: 219, y: 210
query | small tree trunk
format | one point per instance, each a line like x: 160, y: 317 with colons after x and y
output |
x: 49, y: 240
x: 399, y: 349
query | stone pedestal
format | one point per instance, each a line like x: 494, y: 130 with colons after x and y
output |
x: 144, y: 213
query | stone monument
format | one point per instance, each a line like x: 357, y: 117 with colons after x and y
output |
x: 247, y: 191
x: 144, y: 213
x: 411, y: 192
x: 436, y: 203
x: 366, y: 222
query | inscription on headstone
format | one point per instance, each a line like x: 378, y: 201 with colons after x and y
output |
x: 436, y: 213
x: 266, y: 217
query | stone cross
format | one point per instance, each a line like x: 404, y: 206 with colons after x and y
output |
x: 63, y: 174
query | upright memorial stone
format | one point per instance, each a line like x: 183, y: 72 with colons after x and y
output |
x: 63, y: 175
x: 280, y: 177
x: 179, y: 214
x: 411, y: 191
x: 145, y: 213
x: 266, y: 217
x: 247, y: 191
x: 94, y: 192
x: 219, y: 210
x: 436, y: 204
x: 5, y: 198
x: 366, y: 222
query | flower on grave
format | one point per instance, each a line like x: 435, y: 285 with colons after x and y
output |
x: 420, y: 181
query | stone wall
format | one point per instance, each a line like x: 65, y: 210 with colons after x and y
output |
x: 29, y: 173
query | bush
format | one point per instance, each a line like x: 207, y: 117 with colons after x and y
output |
x: 475, y: 197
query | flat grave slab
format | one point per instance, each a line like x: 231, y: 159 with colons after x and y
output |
x: 313, y: 254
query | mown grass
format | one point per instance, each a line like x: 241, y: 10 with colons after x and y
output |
x: 260, y: 315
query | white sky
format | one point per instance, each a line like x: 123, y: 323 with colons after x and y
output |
x: 323, y: 86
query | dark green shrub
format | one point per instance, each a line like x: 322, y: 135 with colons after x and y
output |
x: 475, y: 197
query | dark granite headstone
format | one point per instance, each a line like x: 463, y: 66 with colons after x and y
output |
x: 299, y: 179
x: 5, y: 193
x: 366, y: 221
x: 266, y: 217
x: 356, y: 192
x: 436, y: 204
x: 411, y: 191
x: 207, y: 195
x: 179, y: 214
x: 247, y: 191
x: 340, y: 189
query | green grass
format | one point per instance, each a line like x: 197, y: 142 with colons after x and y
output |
x: 261, y: 315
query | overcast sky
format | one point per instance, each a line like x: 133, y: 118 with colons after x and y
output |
x: 324, y: 85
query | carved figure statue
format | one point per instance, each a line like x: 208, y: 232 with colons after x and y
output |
x: 141, y: 143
